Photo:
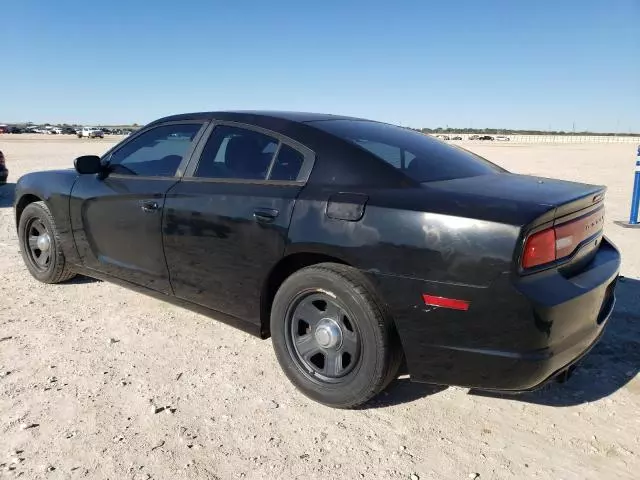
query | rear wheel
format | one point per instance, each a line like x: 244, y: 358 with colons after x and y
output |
x: 40, y: 245
x: 332, y: 338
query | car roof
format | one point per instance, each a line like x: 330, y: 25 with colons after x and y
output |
x: 248, y: 115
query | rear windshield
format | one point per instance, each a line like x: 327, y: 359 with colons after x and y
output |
x: 421, y: 157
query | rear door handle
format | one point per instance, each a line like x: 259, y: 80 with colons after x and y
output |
x: 265, y: 215
x: 149, y: 205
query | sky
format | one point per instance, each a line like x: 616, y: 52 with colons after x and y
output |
x: 543, y: 64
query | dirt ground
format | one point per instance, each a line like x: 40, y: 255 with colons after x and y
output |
x: 99, y: 382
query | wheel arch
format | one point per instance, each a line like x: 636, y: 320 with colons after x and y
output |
x: 22, y: 203
x: 279, y: 273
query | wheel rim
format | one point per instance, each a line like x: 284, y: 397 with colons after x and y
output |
x: 38, y: 244
x: 322, y: 337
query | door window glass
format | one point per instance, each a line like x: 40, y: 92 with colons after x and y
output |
x: 157, y: 152
x: 287, y: 165
x: 233, y: 152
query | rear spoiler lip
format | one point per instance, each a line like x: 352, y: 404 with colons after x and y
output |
x: 583, y: 203
x: 570, y: 209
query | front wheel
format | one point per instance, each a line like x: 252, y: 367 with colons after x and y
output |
x: 332, y: 337
x: 40, y: 245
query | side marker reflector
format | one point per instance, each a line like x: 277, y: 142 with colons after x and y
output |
x: 444, y: 302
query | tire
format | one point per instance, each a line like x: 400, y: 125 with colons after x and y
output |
x: 36, y: 221
x: 363, y: 352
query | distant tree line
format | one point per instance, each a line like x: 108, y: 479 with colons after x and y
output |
x: 507, y: 131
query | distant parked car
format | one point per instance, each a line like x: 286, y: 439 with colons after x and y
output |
x: 443, y: 137
x: 503, y: 138
x: 474, y: 137
x: 90, y: 132
x: 4, y: 128
x: 68, y: 131
x: 457, y: 137
x: 4, y: 173
x: 15, y: 130
x: 485, y: 137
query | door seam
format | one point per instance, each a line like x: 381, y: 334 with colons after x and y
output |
x: 164, y: 253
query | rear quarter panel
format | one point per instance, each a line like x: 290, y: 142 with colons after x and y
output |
x: 406, y: 241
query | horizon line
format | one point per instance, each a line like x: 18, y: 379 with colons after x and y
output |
x: 448, y: 129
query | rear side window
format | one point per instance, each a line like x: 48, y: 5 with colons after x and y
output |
x: 287, y: 165
x: 419, y: 156
x: 233, y: 152
x: 239, y: 153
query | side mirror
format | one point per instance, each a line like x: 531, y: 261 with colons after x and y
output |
x: 88, y: 164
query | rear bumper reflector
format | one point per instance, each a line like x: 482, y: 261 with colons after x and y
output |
x: 444, y: 302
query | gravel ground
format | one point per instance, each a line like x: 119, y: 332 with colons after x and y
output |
x: 100, y: 382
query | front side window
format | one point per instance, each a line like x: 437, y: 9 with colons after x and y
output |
x: 419, y: 156
x: 233, y: 152
x: 157, y: 152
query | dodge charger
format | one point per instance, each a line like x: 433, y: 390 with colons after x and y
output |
x: 357, y: 246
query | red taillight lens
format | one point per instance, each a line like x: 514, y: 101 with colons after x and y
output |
x: 562, y: 240
x: 539, y: 249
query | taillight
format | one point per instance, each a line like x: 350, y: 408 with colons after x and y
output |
x: 539, y: 249
x: 560, y: 241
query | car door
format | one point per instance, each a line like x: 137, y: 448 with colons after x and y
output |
x: 226, y: 221
x: 117, y: 217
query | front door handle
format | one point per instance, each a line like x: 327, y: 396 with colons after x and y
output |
x: 149, y: 206
x: 265, y: 215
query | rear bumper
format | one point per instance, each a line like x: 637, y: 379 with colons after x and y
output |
x: 525, y: 371
x: 517, y: 334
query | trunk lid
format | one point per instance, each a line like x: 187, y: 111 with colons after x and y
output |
x: 561, y: 223
x: 536, y: 200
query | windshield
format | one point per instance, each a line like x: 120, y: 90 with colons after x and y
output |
x: 419, y: 156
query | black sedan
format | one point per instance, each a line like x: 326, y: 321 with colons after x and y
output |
x: 354, y: 244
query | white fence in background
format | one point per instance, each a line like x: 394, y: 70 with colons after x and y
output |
x: 548, y: 138
x: 572, y: 139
